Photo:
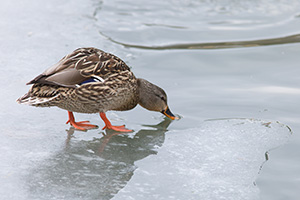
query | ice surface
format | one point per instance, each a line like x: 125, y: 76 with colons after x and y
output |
x: 94, y: 168
x: 219, y: 160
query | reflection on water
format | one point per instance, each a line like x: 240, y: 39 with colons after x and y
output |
x: 216, y: 45
x: 189, y: 24
x: 95, y: 169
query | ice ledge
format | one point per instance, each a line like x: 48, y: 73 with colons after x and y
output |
x: 219, y: 160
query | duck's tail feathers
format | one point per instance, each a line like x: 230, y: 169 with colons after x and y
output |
x: 27, y: 99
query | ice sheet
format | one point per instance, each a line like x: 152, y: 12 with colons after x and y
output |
x: 219, y: 160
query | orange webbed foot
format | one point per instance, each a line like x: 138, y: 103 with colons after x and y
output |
x: 117, y: 128
x: 82, y: 125
x: 109, y: 126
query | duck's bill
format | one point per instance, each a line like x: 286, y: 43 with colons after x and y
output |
x: 168, y: 113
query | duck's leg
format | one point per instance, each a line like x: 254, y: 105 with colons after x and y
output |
x: 83, y: 125
x: 109, y: 126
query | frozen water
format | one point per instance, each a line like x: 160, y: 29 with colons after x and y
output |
x: 219, y: 160
x: 95, y: 168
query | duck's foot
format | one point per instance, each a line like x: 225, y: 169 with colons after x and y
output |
x: 82, y: 125
x: 108, y: 125
x: 117, y: 128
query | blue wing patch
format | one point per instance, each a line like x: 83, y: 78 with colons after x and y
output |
x: 92, y: 79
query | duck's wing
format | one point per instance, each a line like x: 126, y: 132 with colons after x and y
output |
x: 81, y: 65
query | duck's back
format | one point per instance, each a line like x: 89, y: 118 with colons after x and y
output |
x: 87, y: 80
x: 79, y: 66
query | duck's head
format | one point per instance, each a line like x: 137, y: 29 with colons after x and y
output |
x: 153, y: 98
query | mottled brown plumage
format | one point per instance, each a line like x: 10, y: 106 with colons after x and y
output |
x: 90, y: 80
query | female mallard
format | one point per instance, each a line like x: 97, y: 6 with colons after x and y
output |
x: 90, y: 80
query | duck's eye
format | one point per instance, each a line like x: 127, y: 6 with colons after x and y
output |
x: 163, y: 98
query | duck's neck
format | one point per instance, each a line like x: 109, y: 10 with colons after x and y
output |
x: 143, y: 88
x: 146, y: 94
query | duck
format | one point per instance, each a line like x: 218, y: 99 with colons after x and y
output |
x: 90, y: 80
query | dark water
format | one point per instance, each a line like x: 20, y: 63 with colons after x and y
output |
x: 229, y: 59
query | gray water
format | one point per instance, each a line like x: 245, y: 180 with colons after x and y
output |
x: 230, y: 69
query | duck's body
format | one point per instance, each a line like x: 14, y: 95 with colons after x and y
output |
x: 90, y: 80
